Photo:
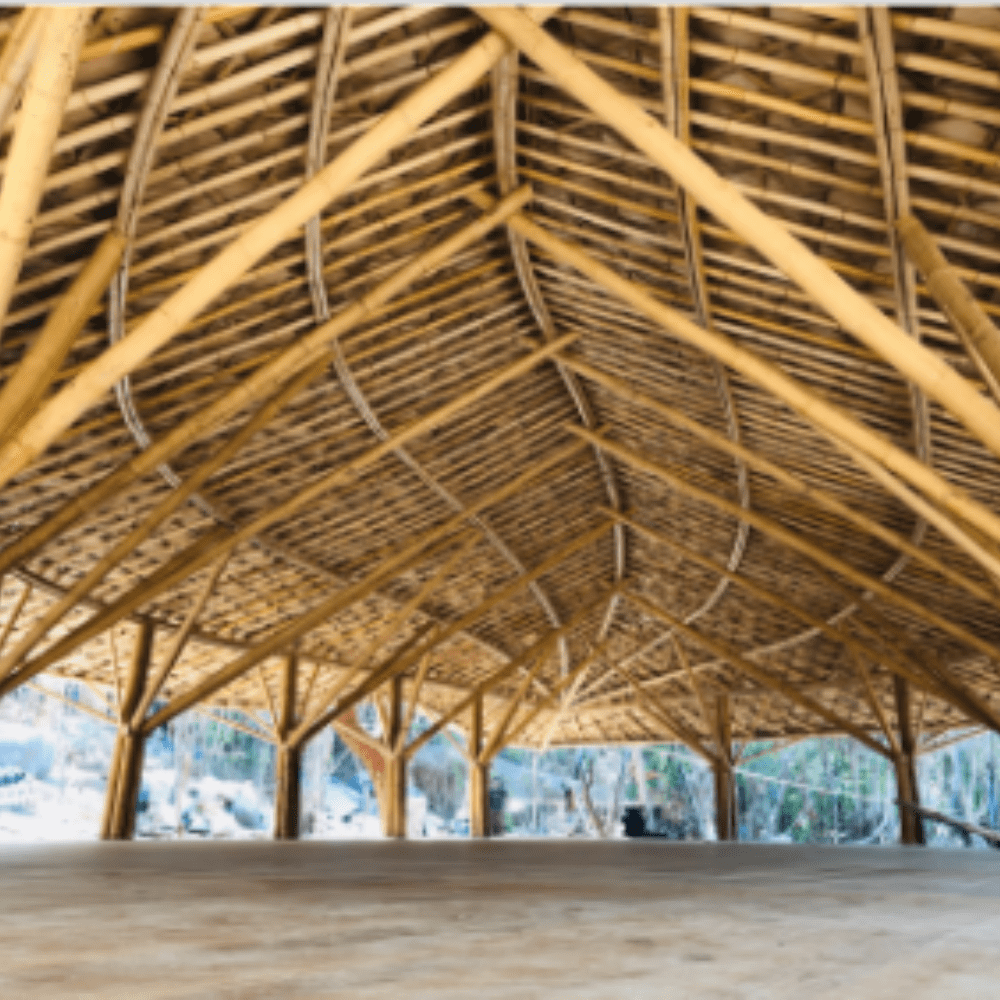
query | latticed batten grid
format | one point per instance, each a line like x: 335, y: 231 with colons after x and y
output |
x: 574, y: 375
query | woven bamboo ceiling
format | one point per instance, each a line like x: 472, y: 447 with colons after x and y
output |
x: 566, y: 357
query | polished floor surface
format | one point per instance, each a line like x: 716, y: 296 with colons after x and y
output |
x: 510, y: 919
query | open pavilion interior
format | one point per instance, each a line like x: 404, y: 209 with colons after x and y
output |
x: 556, y: 376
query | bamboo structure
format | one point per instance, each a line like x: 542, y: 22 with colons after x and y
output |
x: 557, y: 376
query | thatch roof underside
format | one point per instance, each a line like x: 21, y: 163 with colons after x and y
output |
x: 611, y: 534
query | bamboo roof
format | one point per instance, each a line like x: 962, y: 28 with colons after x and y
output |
x: 516, y: 471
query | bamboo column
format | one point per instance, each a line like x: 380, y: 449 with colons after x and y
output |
x: 288, y: 758
x: 125, y: 773
x: 911, y: 826
x: 479, y: 776
x: 394, y: 778
x: 726, y: 818
x: 46, y: 91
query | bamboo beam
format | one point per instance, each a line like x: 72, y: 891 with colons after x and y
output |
x: 172, y: 502
x: 45, y: 94
x: 834, y: 422
x: 978, y: 334
x: 539, y: 648
x: 34, y: 374
x: 445, y: 633
x: 495, y: 743
x: 15, y: 613
x: 18, y: 54
x: 240, y: 255
x: 411, y: 705
x: 656, y: 709
x: 220, y: 540
x: 900, y: 665
x: 179, y: 641
x: 767, y: 235
x: 313, y: 349
x: 579, y: 674
x: 763, y: 677
x: 363, y: 661
x: 877, y: 710
x: 974, y: 705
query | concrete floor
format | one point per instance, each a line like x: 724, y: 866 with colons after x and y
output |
x: 511, y: 919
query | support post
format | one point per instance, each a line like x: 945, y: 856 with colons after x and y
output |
x: 726, y: 820
x: 125, y: 773
x: 479, y: 776
x: 394, y: 777
x: 288, y: 757
x: 911, y: 825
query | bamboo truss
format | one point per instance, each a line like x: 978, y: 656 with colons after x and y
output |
x: 580, y: 375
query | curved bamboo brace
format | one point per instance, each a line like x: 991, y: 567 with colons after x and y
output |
x: 332, y: 49
x: 675, y: 77
x: 46, y: 92
x: 229, y: 265
x: 765, y: 234
x: 828, y: 562
x: 311, y: 349
x: 504, y: 86
x: 163, y: 87
x: 321, y: 612
x: 763, y: 677
x: 901, y: 666
x: 829, y: 418
x: 221, y: 539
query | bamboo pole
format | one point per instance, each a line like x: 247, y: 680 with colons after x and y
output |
x: 479, y: 774
x: 46, y: 92
x: 763, y: 677
x: 34, y: 374
x: 975, y: 329
x: 125, y: 775
x: 765, y: 234
x: 726, y: 811
x: 539, y: 648
x: 171, y: 503
x: 18, y: 53
x: 814, y: 494
x: 255, y: 241
x: 444, y: 633
x: 377, y: 642
x: 834, y: 422
x: 311, y: 349
x: 911, y: 828
x: 217, y: 541
x: 974, y: 705
x: 899, y: 664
